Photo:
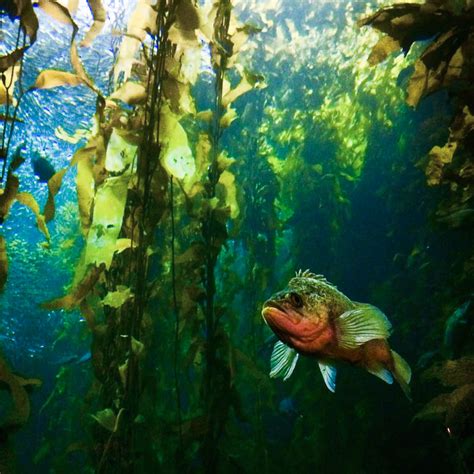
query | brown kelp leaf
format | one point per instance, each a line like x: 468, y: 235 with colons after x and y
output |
x: 410, y: 22
x: 57, y: 11
x: 20, y: 411
x: 3, y: 262
x: 187, y: 15
x: 29, y: 201
x: 85, y: 183
x: 432, y: 67
x: 453, y: 372
x: 50, y: 78
x: 11, y: 77
x: 131, y: 93
x: 7, y: 198
x: 99, y: 15
x: 452, y: 405
x: 88, y: 313
x: 142, y: 21
x: 385, y: 46
x: 54, y: 184
x: 439, y: 157
x: 29, y: 24
x: 80, y: 71
x: 77, y: 294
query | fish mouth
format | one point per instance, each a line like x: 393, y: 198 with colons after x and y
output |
x: 278, y: 317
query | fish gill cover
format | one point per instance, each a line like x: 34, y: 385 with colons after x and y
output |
x: 189, y: 157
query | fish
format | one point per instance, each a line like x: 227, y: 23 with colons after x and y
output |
x: 42, y: 168
x: 311, y: 317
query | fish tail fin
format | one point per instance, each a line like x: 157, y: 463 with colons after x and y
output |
x: 402, y: 373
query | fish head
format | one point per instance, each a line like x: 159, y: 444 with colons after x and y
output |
x: 296, y: 314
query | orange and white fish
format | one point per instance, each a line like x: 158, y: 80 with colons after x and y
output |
x: 313, y: 318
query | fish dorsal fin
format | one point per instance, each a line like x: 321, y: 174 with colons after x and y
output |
x: 381, y: 373
x: 309, y: 274
x: 283, y: 361
x: 362, y: 324
x: 328, y: 371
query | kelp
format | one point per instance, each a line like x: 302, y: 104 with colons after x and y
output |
x: 455, y: 407
x: 445, y: 63
x: 20, y: 411
x: 3, y: 262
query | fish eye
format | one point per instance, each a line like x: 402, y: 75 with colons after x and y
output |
x: 295, y: 300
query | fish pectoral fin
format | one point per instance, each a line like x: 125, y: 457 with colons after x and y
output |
x: 364, y: 323
x: 328, y: 371
x: 283, y: 361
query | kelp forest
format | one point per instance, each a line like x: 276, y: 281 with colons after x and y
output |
x: 166, y: 166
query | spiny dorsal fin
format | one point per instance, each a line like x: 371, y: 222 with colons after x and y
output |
x: 309, y: 274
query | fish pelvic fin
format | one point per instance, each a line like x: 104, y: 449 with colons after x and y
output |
x: 381, y: 372
x: 402, y: 373
x: 328, y: 371
x: 360, y: 325
x: 282, y: 361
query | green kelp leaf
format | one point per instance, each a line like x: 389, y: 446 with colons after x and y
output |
x: 78, y: 293
x: 3, y: 262
x: 109, y: 202
x: 109, y: 207
x: 100, y: 16
x: 138, y: 347
x: 177, y: 158
x: 122, y: 244
x: 117, y: 298
x: 29, y: 201
x: 227, y: 180
x: 248, y: 82
x: 131, y: 93
x: 49, y: 78
x: 228, y: 117
x: 123, y: 370
x: 107, y: 419
x: 54, y: 185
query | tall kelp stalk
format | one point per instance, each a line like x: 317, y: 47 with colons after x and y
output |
x: 214, y: 234
x: 128, y: 326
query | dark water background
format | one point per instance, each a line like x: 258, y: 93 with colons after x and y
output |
x: 366, y: 426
